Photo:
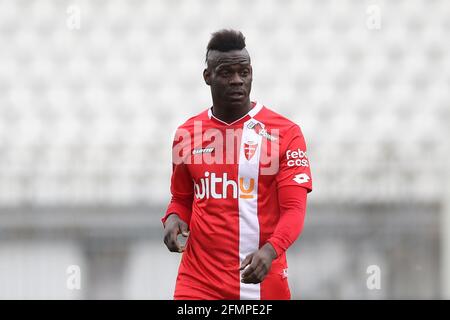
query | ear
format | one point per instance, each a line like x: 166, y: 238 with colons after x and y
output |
x: 207, y: 77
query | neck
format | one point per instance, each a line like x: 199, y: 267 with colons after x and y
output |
x: 229, y: 113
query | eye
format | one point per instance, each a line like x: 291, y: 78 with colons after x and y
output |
x: 224, y: 73
x: 244, y: 73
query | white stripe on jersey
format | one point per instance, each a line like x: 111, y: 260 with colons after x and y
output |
x: 248, y: 207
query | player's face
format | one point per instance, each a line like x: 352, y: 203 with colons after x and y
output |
x: 230, y: 76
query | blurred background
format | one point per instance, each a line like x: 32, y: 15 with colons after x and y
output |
x: 92, y: 91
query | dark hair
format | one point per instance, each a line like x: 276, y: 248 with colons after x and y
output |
x: 226, y: 40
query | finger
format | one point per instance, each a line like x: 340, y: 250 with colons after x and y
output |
x: 250, y: 269
x: 184, y: 230
x: 246, y: 262
x: 253, y: 280
x: 167, y: 239
x: 255, y: 276
x: 250, y: 279
x: 182, y: 242
x: 173, y: 243
x: 256, y: 262
x: 174, y: 246
x: 260, y: 274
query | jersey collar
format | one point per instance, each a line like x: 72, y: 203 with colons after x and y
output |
x: 251, y: 114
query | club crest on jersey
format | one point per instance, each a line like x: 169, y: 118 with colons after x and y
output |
x: 250, y: 149
x: 259, y: 129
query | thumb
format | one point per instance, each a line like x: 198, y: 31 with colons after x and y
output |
x: 246, y: 262
x: 184, y: 229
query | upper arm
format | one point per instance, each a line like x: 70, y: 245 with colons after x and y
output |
x: 294, y: 169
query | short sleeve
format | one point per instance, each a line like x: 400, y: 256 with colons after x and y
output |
x: 294, y: 168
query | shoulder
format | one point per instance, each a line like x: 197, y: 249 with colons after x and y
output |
x: 189, y: 123
x: 275, y: 121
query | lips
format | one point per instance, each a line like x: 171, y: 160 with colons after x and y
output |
x: 236, y: 94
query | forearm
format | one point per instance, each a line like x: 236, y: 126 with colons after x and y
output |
x: 181, y: 206
x: 292, y: 214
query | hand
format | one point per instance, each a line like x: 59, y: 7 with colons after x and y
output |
x: 172, y: 228
x: 257, y: 264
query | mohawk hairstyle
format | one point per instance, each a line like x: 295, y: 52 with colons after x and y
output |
x: 225, y: 40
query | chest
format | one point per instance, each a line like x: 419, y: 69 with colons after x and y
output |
x: 231, y: 162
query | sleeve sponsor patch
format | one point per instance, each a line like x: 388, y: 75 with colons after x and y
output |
x: 297, y: 158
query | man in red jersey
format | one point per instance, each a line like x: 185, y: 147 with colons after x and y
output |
x: 239, y: 186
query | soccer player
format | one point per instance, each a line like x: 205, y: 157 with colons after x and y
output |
x: 239, y: 186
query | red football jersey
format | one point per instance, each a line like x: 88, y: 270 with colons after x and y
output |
x: 225, y: 184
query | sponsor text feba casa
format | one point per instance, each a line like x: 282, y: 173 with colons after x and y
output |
x: 297, y: 158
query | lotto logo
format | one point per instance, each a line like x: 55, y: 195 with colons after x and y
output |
x: 301, y: 178
x: 297, y: 158
x: 202, y: 150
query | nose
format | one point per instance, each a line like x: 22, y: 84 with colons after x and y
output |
x: 236, y: 79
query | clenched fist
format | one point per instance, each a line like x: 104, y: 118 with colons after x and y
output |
x: 172, y: 228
